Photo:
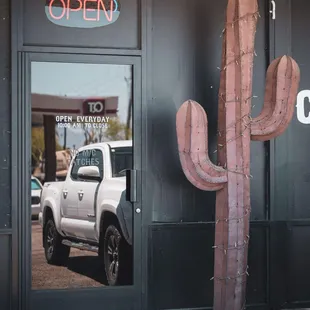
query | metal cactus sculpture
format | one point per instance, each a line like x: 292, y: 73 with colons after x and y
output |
x: 231, y: 178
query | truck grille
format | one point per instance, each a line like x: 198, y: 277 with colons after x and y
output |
x: 35, y: 200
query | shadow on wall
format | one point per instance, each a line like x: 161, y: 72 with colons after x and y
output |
x: 174, y: 198
x: 181, y: 70
x: 185, y: 62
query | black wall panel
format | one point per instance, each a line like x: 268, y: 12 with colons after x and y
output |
x: 292, y: 172
x: 66, y: 299
x: 5, y: 126
x: 291, y: 150
x: 124, y: 33
x: 186, y: 52
x: 288, y: 265
x: 5, y: 272
x: 299, y: 134
x: 5, y: 171
x: 181, y: 266
x: 298, y: 260
x: 258, y: 265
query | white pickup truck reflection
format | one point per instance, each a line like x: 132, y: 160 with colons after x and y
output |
x: 89, y: 210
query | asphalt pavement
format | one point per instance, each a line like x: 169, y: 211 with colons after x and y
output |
x: 83, y: 268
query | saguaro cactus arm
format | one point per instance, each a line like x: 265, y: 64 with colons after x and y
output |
x: 192, y: 134
x: 282, y: 82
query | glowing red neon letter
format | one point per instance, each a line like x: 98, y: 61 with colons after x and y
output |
x: 63, y: 9
x: 74, y: 10
x: 109, y: 18
x: 86, y: 9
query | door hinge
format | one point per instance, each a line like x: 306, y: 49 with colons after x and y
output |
x: 131, y: 185
x: 273, y: 9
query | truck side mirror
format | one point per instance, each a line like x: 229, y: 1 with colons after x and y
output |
x: 90, y: 173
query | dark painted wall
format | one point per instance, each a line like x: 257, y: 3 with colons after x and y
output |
x: 185, y: 59
x: 183, y: 56
x: 186, y: 47
x: 298, y: 168
x: 292, y: 170
x: 295, y: 200
x: 186, y: 55
x: 39, y: 30
x: 5, y: 205
x: 291, y: 152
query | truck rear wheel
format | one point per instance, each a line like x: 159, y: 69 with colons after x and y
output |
x: 56, y: 253
x: 117, y: 256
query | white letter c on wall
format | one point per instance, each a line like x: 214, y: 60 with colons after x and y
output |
x: 301, y: 107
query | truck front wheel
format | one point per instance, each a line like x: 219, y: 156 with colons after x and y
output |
x: 56, y: 253
x: 117, y: 256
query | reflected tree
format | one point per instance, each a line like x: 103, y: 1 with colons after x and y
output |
x: 38, y: 145
x: 93, y: 135
x: 129, y: 112
x: 118, y: 130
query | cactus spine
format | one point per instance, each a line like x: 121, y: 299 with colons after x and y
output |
x: 231, y: 178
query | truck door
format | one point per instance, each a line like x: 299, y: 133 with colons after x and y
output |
x: 70, y: 223
x: 88, y: 191
x: 68, y: 201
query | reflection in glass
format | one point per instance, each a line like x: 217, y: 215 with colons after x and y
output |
x: 81, y: 149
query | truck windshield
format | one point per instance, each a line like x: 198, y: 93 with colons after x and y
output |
x: 121, y: 158
x: 35, y: 185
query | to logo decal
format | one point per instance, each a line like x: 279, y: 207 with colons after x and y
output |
x: 95, y: 107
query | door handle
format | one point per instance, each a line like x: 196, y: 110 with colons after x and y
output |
x: 81, y: 194
x: 131, y: 185
x: 65, y: 193
x: 273, y: 9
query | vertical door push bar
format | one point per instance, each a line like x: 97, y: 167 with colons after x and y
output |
x: 273, y: 9
x: 131, y: 185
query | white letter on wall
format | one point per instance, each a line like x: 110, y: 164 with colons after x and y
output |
x: 301, y: 107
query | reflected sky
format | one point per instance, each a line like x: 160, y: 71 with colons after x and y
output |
x: 82, y: 80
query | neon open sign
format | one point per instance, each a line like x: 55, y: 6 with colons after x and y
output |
x: 82, y: 13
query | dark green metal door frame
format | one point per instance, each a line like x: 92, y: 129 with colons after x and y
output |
x: 111, y: 297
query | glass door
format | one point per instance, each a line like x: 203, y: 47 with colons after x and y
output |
x: 84, y: 212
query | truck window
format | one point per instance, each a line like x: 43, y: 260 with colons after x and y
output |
x: 82, y: 159
x: 35, y: 185
x: 121, y: 158
x: 97, y: 160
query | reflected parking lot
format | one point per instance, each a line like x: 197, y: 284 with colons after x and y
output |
x: 83, y: 268
x: 81, y: 151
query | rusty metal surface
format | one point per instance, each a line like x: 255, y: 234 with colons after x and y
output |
x: 282, y: 82
x: 236, y: 128
x: 192, y: 128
